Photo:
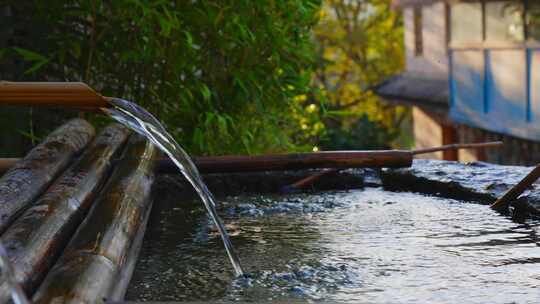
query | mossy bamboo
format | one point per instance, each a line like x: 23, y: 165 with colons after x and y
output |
x: 29, y: 177
x: 90, y: 269
x: 37, y: 237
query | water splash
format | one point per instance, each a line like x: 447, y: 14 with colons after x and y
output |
x: 17, y: 294
x: 144, y: 123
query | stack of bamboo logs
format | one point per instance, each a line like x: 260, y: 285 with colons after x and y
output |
x: 63, y: 190
x: 100, y: 257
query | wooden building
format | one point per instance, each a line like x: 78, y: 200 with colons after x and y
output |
x: 473, y: 74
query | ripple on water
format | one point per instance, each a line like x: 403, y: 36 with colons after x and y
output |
x: 359, y: 246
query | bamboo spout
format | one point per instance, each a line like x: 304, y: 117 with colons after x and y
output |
x: 65, y: 94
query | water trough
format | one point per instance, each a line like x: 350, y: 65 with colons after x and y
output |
x: 74, y: 211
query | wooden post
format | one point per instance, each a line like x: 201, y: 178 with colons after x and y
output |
x: 36, y: 238
x: 24, y: 182
x: 92, y: 263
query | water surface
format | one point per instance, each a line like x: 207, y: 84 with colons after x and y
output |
x: 358, y: 246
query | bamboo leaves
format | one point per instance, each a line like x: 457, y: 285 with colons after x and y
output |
x: 181, y: 60
x: 36, y: 59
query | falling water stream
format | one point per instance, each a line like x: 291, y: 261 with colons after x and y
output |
x: 146, y: 124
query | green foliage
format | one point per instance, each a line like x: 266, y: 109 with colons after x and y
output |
x: 360, y: 44
x: 221, y: 74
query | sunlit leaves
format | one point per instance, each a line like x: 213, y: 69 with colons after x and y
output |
x: 360, y: 45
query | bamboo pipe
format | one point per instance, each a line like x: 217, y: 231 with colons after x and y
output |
x: 64, y: 94
x: 308, y: 181
x: 513, y: 193
x: 37, y: 237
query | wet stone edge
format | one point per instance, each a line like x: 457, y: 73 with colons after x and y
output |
x: 478, y: 182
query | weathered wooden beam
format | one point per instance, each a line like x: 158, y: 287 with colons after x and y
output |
x: 91, y: 266
x: 36, y: 238
x: 28, y: 178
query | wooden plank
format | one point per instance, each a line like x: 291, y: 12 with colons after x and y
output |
x: 36, y: 238
x: 28, y: 178
x: 91, y: 266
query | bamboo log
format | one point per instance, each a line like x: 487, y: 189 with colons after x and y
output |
x: 329, y: 159
x: 513, y: 193
x: 91, y: 265
x: 24, y: 182
x: 37, y: 237
x: 296, y: 161
x: 337, y: 159
x: 65, y: 94
x: 276, y: 162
